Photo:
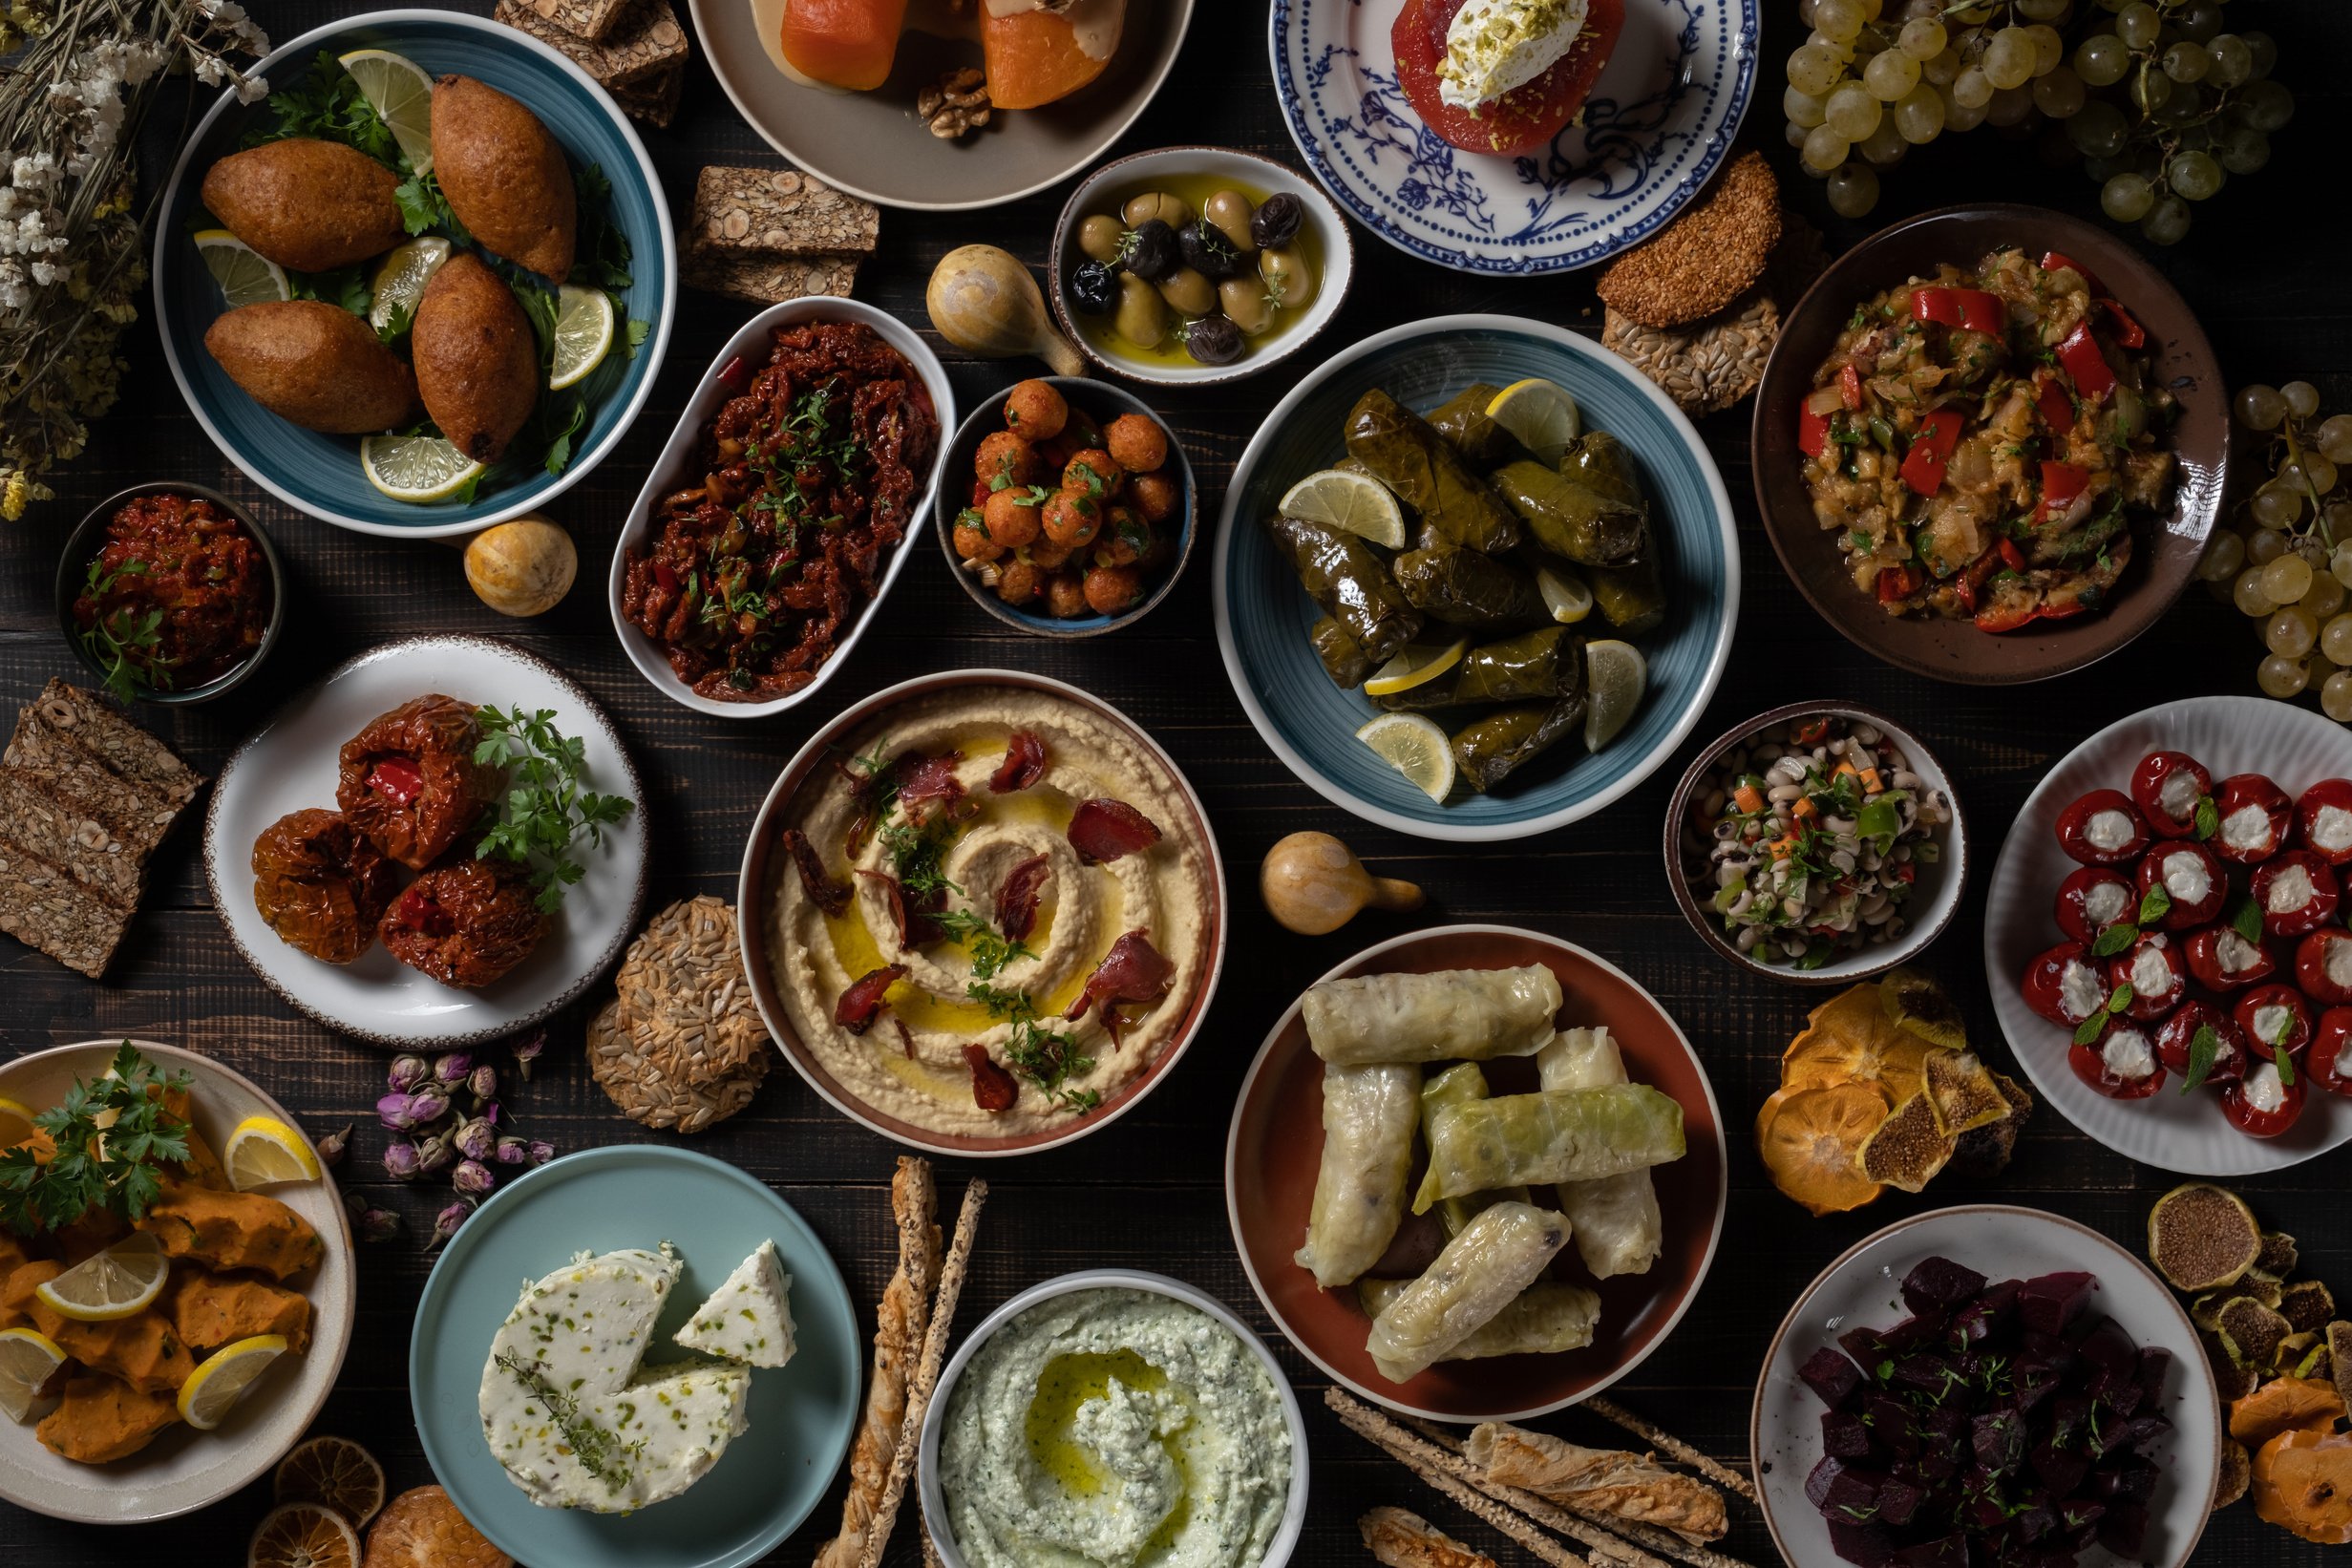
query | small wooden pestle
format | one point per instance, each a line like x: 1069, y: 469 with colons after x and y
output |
x: 1313, y: 884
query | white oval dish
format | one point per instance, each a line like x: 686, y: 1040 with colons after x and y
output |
x: 1784, y: 1434
x: 1336, y: 247
x: 184, y: 1470
x: 933, y: 1497
x: 2294, y: 746
x: 669, y: 468
x: 290, y: 763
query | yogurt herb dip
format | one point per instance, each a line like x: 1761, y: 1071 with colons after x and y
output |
x: 1119, y: 1427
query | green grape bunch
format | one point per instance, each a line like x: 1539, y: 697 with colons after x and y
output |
x: 2286, y: 560
x: 2161, y: 103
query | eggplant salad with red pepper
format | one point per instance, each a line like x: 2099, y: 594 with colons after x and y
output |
x: 1981, y: 441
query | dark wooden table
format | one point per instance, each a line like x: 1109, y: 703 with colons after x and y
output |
x: 2261, y: 268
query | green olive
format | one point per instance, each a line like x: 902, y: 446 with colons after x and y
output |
x: 1099, y: 237
x: 1188, y: 291
x: 1244, y: 300
x: 1231, y: 212
x: 1170, y: 210
x: 1289, y: 278
x: 1141, y: 317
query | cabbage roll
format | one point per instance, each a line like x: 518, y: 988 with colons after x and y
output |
x: 1546, y: 1318
x: 1463, y: 1081
x: 1482, y: 1272
x: 1572, y: 1134
x: 1615, y: 1221
x: 1368, y: 1116
x: 1401, y: 450
x: 1447, y: 1015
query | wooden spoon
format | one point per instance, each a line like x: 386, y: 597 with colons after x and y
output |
x: 984, y: 302
x: 1313, y: 884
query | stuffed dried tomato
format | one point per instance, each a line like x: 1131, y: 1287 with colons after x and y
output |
x: 408, y: 780
x: 321, y: 884
x: 466, y: 925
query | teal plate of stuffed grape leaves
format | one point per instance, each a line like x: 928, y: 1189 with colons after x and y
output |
x: 1303, y: 607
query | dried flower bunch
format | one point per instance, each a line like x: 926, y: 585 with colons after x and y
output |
x: 446, y: 1120
x: 72, y: 233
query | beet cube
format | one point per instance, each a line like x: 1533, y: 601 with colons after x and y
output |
x: 1821, y: 1478
x: 2068, y: 1415
x: 2035, y: 1523
x: 2146, y: 1428
x: 2122, y: 1401
x: 2048, y: 1304
x: 1890, y: 1423
x: 2061, y: 1470
x: 1939, y: 1284
x: 1833, y: 1376
x: 1844, y: 1436
x: 2156, y: 1363
x: 1864, y: 1545
x: 1898, y: 1501
x: 1946, y: 1552
x: 2108, y: 1348
x: 1988, y: 1314
x: 2029, y: 1385
x: 1930, y: 1374
x: 1998, y: 1440
x: 2129, y: 1478
x: 1939, y: 1461
x: 1853, y: 1493
x: 2122, y: 1529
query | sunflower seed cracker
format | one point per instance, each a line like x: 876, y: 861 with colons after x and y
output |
x: 642, y: 41
x: 585, y: 19
x: 768, y: 280
x: 778, y: 212
x: 655, y: 100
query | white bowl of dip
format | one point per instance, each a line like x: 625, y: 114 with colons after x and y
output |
x: 930, y: 1483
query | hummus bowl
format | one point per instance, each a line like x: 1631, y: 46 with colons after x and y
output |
x: 943, y: 937
x: 1065, y: 1315
x: 1274, y: 1152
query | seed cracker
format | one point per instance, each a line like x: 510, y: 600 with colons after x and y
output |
x: 778, y: 212
x: 768, y: 280
x: 643, y: 40
x: 585, y: 19
x: 1706, y: 257
x: 654, y: 100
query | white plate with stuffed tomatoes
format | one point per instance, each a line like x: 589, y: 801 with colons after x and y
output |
x: 2165, y: 936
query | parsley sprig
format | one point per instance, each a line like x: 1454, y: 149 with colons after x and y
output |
x: 108, y: 1138
x: 547, y: 805
x: 1045, y: 1057
x: 126, y: 644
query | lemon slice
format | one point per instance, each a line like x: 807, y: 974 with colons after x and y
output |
x: 28, y: 1360
x: 1542, y: 415
x: 1617, y: 675
x: 401, y: 276
x: 1565, y: 594
x: 1414, y: 747
x: 245, y: 276
x: 15, y: 1122
x: 584, y: 334
x: 309, y: 1535
x: 415, y: 468
x: 334, y: 1472
x: 401, y: 95
x: 1416, y: 663
x: 220, y: 1379
x: 1355, y: 503
x: 119, y: 1283
x: 263, y: 1151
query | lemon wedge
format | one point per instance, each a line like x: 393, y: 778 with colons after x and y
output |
x: 1415, y: 746
x: 220, y: 1379
x: 415, y: 468
x: 584, y: 334
x: 245, y: 276
x: 1541, y: 415
x: 401, y: 95
x: 1565, y: 594
x: 28, y: 1360
x: 263, y: 1151
x: 1416, y: 663
x: 119, y: 1283
x: 1617, y: 675
x: 15, y: 1122
x: 401, y: 276
x: 1355, y: 503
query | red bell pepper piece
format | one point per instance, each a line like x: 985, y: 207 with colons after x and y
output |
x: 2053, y: 260
x: 2060, y: 483
x: 1850, y: 385
x: 1896, y: 584
x: 1930, y: 450
x: 2127, y: 332
x: 398, y: 778
x: 2085, y: 365
x: 2010, y: 555
x: 2007, y: 617
x: 1813, y: 433
x: 2057, y: 405
x: 1971, y: 308
x: 733, y: 377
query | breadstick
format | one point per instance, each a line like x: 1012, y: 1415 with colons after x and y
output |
x: 899, y: 1322
x: 953, y: 1270
x: 1608, y: 1410
x: 1360, y: 1419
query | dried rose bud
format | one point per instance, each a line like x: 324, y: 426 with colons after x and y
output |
x: 527, y: 1050
x: 494, y: 1113
x: 476, y: 1139
x: 473, y: 1178
x: 453, y: 1068
x: 379, y: 1224
x: 402, y: 1162
x: 335, y: 1146
x: 407, y: 1073
x: 438, y: 1153
x: 428, y: 1105
x: 484, y: 1081
x: 542, y: 1152
x: 512, y: 1151
x: 445, y: 1223
x: 394, y: 1112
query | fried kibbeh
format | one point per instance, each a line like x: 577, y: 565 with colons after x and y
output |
x: 307, y: 204
x: 505, y: 175
x: 314, y: 365
x: 476, y: 359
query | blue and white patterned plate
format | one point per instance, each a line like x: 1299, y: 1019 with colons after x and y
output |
x: 1264, y: 616
x: 321, y: 475
x: 1660, y: 120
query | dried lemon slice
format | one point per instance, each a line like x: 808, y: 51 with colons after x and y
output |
x: 1809, y: 1139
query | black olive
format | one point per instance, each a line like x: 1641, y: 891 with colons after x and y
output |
x: 1151, y: 252
x: 1213, y: 340
x: 1205, y: 248
x: 1277, y: 219
x: 1095, y: 288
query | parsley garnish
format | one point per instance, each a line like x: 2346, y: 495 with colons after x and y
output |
x: 1046, y: 1057
x: 546, y: 807
x: 100, y: 1161
x: 125, y: 643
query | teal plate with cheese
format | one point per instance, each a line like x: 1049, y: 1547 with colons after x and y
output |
x: 801, y: 1415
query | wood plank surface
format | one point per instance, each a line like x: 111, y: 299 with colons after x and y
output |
x: 2260, y: 267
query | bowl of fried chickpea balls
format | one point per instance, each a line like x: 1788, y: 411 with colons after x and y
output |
x: 1065, y: 507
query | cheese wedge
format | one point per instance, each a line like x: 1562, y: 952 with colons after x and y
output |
x: 748, y: 1317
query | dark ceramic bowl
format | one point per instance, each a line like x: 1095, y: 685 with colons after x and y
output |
x: 73, y: 570
x: 1104, y: 403
x: 2169, y: 545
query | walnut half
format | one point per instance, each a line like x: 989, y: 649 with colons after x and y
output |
x: 957, y: 104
